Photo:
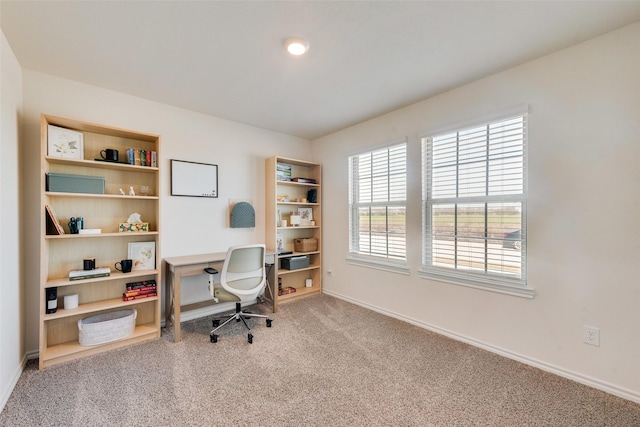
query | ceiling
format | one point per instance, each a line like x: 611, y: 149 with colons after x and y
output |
x: 226, y: 58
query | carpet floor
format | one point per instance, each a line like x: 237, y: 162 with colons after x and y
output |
x: 325, y: 362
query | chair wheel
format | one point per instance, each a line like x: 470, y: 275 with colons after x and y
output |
x: 214, y: 337
x: 268, y: 323
x: 216, y: 323
x: 250, y: 338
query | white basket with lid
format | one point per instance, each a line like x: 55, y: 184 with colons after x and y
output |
x: 106, y: 327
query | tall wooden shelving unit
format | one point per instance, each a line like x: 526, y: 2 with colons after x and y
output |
x: 277, y: 210
x: 60, y: 254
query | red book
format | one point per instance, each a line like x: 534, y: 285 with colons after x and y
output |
x: 141, y: 291
x: 152, y: 294
x: 148, y: 158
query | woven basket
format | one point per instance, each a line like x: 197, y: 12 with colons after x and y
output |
x: 106, y: 327
x: 305, y: 245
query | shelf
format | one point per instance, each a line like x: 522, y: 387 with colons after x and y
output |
x: 72, y: 349
x: 115, y: 275
x: 98, y: 196
x: 300, y: 292
x: 59, y: 253
x: 282, y: 271
x: 89, y: 236
x: 96, y: 306
x: 100, y: 165
x: 299, y: 227
x: 298, y: 203
x: 297, y: 184
x: 298, y: 254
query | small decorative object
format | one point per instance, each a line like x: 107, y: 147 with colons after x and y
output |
x: 280, y: 242
x: 134, y: 224
x: 243, y: 215
x: 308, y: 283
x: 70, y: 301
x: 143, y: 255
x: 122, y: 192
x: 294, y: 219
x: 75, y: 224
x: 131, y: 192
x: 65, y: 143
x: 144, y: 190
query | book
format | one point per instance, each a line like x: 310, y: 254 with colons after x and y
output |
x: 152, y: 294
x: 53, y: 225
x: 148, y: 161
x: 287, y: 290
x: 143, y: 158
x: 101, y: 270
x: 89, y: 276
x: 154, y: 159
x: 141, y: 284
x: 142, y: 291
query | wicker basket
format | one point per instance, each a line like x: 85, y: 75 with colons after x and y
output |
x: 305, y: 245
x: 107, y: 327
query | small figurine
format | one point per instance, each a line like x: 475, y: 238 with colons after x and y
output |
x: 131, y: 192
x: 122, y: 192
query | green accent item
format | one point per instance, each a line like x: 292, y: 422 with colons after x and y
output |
x: 65, y: 183
x: 243, y: 216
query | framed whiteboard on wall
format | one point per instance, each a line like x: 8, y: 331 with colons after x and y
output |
x: 193, y: 179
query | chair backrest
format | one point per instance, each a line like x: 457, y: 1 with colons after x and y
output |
x: 243, y: 272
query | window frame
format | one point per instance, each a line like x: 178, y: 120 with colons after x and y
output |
x: 377, y: 261
x: 486, y: 279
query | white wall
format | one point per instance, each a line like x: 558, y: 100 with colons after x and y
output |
x: 583, y: 211
x: 12, y: 350
x: 189, y: 225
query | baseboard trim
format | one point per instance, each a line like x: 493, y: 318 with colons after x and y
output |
x: 16, y: 376
x: 574, y: 376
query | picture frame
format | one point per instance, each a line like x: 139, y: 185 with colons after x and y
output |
x: 306, y: 215
x: 142, y: 255
x: 65, y: 143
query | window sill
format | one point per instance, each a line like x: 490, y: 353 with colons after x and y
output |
x: 399, y: 267
x: 491, y: 284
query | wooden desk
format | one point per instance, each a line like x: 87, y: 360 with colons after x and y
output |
x: 183, y: 266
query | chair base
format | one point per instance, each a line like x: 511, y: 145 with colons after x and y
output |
x: 239, y: 315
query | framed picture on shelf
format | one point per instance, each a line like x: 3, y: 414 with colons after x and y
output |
x: 143, y: 255
x: 306, y: 215
x: 65, y: 143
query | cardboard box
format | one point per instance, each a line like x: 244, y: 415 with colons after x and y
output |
x: 65, y: 183
x: 294, y: 263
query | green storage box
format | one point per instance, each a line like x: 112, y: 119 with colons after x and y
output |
x: 65, y: 183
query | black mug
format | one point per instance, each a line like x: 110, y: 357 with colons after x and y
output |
x: 109, y: 155
x: 89, y: 264
x: 125, y: 265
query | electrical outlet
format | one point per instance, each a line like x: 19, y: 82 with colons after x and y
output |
x: 591, y: 335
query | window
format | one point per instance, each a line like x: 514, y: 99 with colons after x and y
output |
x: 474, y: 201
x: 377, y: 204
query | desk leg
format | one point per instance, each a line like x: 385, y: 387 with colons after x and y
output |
x: 172, y: 301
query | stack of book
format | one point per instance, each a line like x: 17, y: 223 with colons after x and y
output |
x: 287, y: 290
x: 89, y: 274
x: 283, y: 172
x: 138, y: 290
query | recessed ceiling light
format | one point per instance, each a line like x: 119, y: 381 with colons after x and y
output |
x: 295, y: 46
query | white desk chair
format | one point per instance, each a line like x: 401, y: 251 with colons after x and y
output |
x: 243, y: 279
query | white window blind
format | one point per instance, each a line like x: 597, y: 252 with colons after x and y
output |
x: 474, y: 199
x: 377, y: 203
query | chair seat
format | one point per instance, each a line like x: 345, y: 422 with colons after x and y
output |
x: 224, y: 296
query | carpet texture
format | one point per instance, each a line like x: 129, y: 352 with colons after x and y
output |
x: 325, y: 362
